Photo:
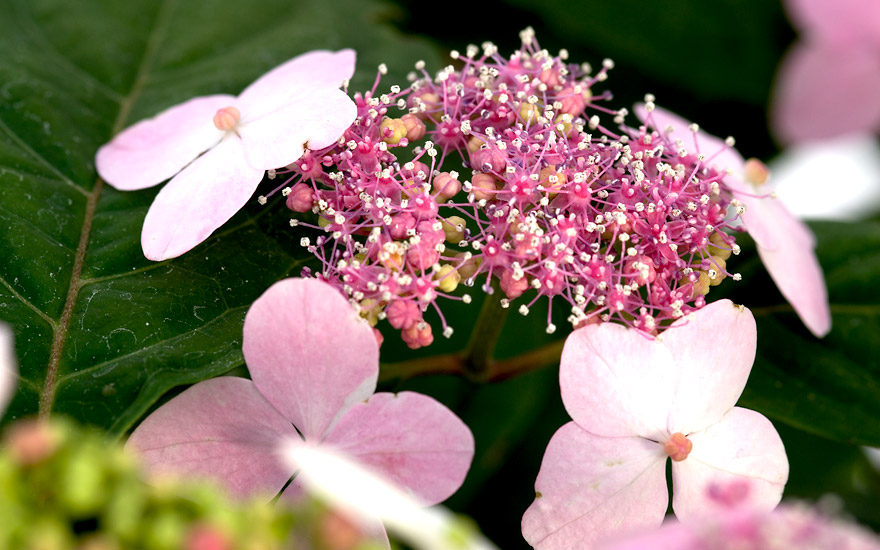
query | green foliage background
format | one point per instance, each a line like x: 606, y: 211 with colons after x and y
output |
x: 103, y: 334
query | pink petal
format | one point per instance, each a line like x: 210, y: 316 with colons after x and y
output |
x: 8, y: 367
x: 825, y: 91
x: 590, y: 487
x: 155, y: 149
x: 836, y: 21
x: 309, y: 353
x: 198, y: 200
x: 221, y: 429
x: 617, y: 382
x: 713, y: 352
x: 311, y: 118
x: 743, y: 446
x: 795, y: 269
x: 409, y: 438
x: 317, y: 71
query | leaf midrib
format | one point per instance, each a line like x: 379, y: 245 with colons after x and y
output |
x: 60, y: 331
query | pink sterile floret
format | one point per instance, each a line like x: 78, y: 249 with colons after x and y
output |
x: 634, y: 402
x: 829, y: 81
x: 216, y: 148
x: 784, y: 243
x: 314, y: 365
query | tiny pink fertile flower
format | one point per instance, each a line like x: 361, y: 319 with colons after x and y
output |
x: 636, y: 401
x: 216, y: 148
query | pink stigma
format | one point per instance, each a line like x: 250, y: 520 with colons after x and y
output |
x: 226, y: 118
x: 678, y: 447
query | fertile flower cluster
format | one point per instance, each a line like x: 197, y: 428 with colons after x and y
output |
x: 625, y: 226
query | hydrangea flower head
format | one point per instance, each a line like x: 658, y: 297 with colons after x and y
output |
x: 784, y: 243
x: 553, y: 204
x: 829, y: 81
x: 637, y: 401
x: 314, y: 365
x: 216, y: 148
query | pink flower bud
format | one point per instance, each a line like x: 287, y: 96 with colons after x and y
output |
x: 403, y: 314
x: 418, y: 335
x: 300, y: 198
x: 513, y: 288
x: 415, y: 128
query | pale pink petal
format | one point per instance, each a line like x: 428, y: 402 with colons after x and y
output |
x: 316, y: 71
x: 718, y: 154
x: 713, y: 350
x: 8, y: 367
x: 198, y: 200
x: 795, y: 269
x: 617, y: 382
x: 309, y: 353
x: 591, y: 487
x: 155, y: 149
x: 836, y: 21
x: 411, y: 439
x: 743, y: 446
x: 824, y: 91
x: 310, y: 119
x: 672, y: 535
x: 221, y: 429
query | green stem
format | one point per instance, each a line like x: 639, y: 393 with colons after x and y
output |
x: 454, y: 363
x: 477, y: 360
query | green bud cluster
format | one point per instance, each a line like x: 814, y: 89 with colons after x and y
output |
x: 64, y: 487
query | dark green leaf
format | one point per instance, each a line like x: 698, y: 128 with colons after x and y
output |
x: 101, y: 332
x: 727, y: 49
x: 831, y: 386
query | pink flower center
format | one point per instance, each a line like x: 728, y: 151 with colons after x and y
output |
x: 226, y: 118
x: 756, y: 171
x: 678, y: 447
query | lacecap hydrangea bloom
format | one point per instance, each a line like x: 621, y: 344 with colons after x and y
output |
x: 313, y: 364
x: 618, y: 224
x: 637, y: 401
x: 217, y: 148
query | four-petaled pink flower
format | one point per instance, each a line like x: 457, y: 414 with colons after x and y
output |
x: 828, y: 83
x: 635, y: 402
x: 314, y: 365
x: 785, y: 244
x: 218, y: 147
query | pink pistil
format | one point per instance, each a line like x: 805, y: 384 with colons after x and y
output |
x: 678, y: 447
x: 226, y: 118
